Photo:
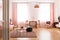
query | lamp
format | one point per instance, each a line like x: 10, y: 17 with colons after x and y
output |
x: 36, y: 6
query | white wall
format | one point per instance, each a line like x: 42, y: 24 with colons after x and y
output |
x: 59, y: 7
x: 56, y: 10
x: 1, y: 18
x: 56, y: 6
x: 0, y: 1
x: 33, y: 0
x: 33, y: 12
x: 10, y: 9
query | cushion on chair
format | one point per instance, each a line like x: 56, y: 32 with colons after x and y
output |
x: 54, y: 24
x: 29, y: 29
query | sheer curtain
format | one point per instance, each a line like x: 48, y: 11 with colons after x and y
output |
x: 44, y: 12
x: 22, y: 12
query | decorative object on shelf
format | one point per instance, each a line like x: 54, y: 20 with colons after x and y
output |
x: 36, y: 6
x: 59, y: 18
x: 11, y: 22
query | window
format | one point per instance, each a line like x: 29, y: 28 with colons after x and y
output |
x: 44, y: 12
x: 22, y: 12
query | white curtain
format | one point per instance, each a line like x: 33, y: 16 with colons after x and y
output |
x: 44, y: 12
x: 22, y: 12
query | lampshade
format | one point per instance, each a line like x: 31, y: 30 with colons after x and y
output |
x: 36, y: 6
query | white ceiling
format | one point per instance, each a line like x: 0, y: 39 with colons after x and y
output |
x: 33, y: 0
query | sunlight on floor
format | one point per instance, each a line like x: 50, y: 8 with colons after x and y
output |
x: 22, y: 38
x: 44, y: 35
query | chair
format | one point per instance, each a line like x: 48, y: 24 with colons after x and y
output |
x: 48, y: 22
x: 54, y: 24
x: 33, y: 24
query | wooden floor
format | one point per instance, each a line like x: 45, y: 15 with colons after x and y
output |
x: 43, y: 34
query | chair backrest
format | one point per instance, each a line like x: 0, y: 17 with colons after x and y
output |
x: 33, y: 24
x: 48, y: 22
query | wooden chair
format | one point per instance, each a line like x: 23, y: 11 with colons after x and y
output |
x: 33, y: 24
